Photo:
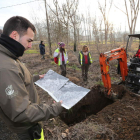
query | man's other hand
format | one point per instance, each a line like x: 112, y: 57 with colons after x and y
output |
x: 41, y: 76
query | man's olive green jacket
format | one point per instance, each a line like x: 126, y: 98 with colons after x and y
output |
x: 19, y: 101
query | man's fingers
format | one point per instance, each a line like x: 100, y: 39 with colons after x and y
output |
x: 41, y: 76
x: 55, y: 102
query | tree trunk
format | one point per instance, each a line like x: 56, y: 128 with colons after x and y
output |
x: 48, y: 29
x: 75, y: 40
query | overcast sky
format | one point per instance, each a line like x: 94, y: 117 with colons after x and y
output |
x: 30, y: 8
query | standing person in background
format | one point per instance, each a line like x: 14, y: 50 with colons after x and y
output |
x: 85, y: 60
x: 42, y: 49
x: 62, y: 56
x: 20, y: 107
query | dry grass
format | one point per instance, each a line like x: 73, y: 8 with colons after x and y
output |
x: 74, y: 79
x: 92, y: 130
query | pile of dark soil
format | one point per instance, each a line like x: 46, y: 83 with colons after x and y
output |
x: 118, y: 121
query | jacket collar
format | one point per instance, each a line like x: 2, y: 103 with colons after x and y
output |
x: 7, y: 52
x: 12, y: 45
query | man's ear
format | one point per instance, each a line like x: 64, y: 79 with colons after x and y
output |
x: 14, y: 35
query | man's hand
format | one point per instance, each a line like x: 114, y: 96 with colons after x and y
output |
x: 55, y: 102
x: 41, y: 76
x: 61, y: 102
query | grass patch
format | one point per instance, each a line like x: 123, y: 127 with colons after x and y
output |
x: 52, y: 63
x: 99, y: 83
x: 42, y: 72
x: 36, y: 73
x: 73, y: 67
x: 31, y: 52
x: 113, y: 78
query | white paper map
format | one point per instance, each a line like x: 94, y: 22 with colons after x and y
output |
x: 60, y: 88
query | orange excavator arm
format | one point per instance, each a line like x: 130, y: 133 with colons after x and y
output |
x: 120, y: 54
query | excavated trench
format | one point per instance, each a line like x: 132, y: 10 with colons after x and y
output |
x: 92, y: 103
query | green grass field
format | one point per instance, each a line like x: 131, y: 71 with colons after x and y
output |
x: 31, y: 52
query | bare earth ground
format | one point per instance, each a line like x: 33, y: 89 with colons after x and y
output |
x: 95, y: 117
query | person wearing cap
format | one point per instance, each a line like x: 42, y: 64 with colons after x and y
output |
x: 62, y: 56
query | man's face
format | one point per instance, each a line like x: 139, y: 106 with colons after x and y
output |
x: 27, y: 39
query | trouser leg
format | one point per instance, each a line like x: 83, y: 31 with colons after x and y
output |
x: 65, y: 72
x: 63, y: 69
x: 83, y: 71
x: 86, y: 71
x: 43, y: 56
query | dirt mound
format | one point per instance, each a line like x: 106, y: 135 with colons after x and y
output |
x: 74, y: 79
x: 118, y: 121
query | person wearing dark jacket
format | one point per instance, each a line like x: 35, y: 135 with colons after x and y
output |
x: 20, y: 107
x: 85, y: 60
x: 42, y: 49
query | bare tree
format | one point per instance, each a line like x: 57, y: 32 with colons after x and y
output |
x: 101, y: 31
x: 75, y: 21
x: 112, y: 35
x: 63, y: 14
x: 105, y: 15
x: 96, y: 32
x: 38, y: 25
x: 48, y: 29
x: 57, y: 22
x: 56, y: 29
x: 133, y: 7
x: 41, y: 31
x: 89, y: 27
